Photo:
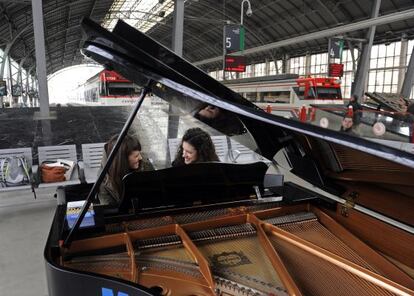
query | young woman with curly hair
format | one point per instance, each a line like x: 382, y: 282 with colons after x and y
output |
x: 196, y: 146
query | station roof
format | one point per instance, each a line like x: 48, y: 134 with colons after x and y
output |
x: 275, y: 20
x: 272, y: 20
x: 62, y: 30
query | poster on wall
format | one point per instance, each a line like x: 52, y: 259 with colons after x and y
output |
x: 3, y: 88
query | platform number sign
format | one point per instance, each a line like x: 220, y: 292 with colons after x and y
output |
x: 233, y: 38
x: 3, y: 88
x: 336, y: 46
x: 233, y: 43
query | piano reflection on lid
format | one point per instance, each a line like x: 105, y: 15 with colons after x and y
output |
x: 232, y: 229
x: 221, y: 120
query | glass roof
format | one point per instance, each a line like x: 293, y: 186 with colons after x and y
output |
x: 141, y: 14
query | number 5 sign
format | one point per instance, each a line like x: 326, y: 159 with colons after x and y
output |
x: 233, y: 38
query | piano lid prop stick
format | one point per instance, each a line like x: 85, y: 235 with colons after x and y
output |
x: 108, y: 163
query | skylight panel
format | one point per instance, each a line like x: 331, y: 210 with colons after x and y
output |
x: 141, y: 14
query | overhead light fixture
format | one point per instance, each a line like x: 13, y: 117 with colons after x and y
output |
x: 249, y: 10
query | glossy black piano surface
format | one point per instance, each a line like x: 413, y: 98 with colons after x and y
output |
x: 292, y: 209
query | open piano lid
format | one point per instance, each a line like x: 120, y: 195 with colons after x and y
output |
x: 320, y: 257
x: 330, y: 160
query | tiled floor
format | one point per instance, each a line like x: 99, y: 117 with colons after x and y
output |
x: 24, y: 226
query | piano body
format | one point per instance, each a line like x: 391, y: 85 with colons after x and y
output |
x: 237, y: 229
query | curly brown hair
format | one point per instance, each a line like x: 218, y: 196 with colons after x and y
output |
x: 201, y: 142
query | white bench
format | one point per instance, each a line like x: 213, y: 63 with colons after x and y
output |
x: 220, y: 144
x: 52, y: 153
x: 91, y: 161
x: 27, y: 153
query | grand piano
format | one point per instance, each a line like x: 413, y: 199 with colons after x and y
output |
x: 318, y: 213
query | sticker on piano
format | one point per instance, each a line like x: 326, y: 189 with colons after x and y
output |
x: 229, y: 259
x: 378, y: 129
x: 73, y: 210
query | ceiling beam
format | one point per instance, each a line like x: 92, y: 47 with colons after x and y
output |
x: 16, y: 1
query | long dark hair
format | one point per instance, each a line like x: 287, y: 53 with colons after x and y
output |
x: 120, y: 166
x: 201, y: 142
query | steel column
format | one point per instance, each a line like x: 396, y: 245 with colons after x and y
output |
x: 10, y: 76
x: 178, y: 27
x: 285, y: 64
x: 40, y: 57
x: 5, y: 55
x: 3, y: 62
x: 177, y: 47
x: 23, y: 92
x: 31, y: 98
x: 403, y: 62
x: 307, y: 64
x: 26, y: 89
x: 19, y: 81
x: 277, y: 70
x: 409, y: 78
x: 363, y: 63
x: 351, y: 50
x: 267, y: 67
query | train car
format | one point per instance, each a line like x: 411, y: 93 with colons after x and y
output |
x: 288, y: 92
x: 108, y: 88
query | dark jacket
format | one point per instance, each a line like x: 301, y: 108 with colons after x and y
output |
x: 349, y: 131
